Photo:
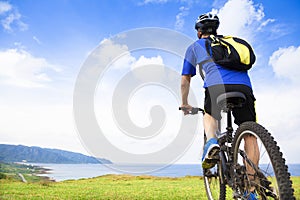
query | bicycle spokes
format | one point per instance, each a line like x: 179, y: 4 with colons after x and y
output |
x: 262, y: 178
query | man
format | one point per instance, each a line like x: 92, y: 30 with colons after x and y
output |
x: 217, y: 80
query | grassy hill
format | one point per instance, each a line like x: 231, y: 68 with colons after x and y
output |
x: 19, y: 153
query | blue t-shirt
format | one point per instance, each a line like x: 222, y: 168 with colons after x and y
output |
x: 214, y: 73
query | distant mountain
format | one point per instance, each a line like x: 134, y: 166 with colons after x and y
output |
x: 19, y: 153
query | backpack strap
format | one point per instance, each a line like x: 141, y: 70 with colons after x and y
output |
x: 209, y: 53
x: 225, y: 44
x: 201, y: 71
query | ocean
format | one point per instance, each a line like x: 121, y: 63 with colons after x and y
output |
x: 61, y: 172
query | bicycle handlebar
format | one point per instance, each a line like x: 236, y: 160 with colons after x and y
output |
x: 194, y: 110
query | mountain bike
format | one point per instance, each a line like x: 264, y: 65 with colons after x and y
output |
x: 271, y: 178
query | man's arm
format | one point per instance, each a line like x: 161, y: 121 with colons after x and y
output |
x: 185, y: 88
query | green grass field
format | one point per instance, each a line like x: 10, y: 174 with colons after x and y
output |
x: 103, y: 187
x: 113, y: 187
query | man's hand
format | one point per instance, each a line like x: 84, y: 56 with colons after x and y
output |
x: 186, y: 108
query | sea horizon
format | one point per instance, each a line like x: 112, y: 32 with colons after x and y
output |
x: 61, y: 172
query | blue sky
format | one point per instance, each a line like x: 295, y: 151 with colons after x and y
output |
x: 44, y: 43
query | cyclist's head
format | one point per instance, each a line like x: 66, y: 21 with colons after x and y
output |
x: 207, y: 23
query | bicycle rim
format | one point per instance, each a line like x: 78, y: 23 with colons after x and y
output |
x: 271, y: 178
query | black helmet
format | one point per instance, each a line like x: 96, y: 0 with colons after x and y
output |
x: 207, y: 22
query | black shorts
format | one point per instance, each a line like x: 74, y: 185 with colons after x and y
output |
x: 243, y: 114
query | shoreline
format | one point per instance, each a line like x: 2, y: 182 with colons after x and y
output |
x: 25, y: 172
x: 62, y: 172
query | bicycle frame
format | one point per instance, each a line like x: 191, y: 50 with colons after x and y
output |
x: 226, y: 157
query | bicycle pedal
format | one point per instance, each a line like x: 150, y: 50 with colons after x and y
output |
x: 212, y: 160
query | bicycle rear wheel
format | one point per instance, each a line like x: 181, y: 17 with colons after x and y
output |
x: 271, y: 178
x: 214, y: 187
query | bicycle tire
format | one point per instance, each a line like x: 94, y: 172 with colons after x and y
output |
x: 215, y: 189
x: 279, y: 185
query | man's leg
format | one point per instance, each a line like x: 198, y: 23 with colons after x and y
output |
x: 211, y: 147
x: 252, y: 151
x: 212, y: 112
x: 210, y: 126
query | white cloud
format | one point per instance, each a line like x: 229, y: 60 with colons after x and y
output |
x: 119, y: 61
x: 10, y: 18
x: 155, y: 1
x: 4, y: 7
x: 109, y: 50
x: 143, y: 61
x: 246, y: 23
x: 20, y: 68
x: 49, y: 126
x: 36, y: 39
x: 123, y: 58
x: 124, y: 62
x: 183, y: 11
x: 265, y: 23
x: 285, y: 63
x: 277, y: 109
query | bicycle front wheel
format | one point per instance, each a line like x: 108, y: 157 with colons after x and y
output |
x: 214, y: 185
x: 270, y: 178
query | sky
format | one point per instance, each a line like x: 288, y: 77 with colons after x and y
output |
x: 44, y: 45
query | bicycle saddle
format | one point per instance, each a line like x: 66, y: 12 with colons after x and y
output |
x: 231, y: 100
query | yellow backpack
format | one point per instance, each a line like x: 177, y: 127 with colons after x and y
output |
x: 230, y: 52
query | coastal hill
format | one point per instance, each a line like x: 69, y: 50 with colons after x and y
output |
x: 20, y: 153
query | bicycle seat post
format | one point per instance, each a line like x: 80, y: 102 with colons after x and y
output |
x: 227, y: 102
x: 229, y: 127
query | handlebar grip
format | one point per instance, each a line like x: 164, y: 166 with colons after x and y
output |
x: 193, y: 111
